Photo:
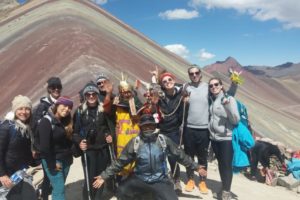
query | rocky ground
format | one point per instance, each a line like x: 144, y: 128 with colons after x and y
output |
x: 242, y: 188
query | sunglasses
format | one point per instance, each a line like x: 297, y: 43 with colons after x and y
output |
x: 214, y: 85
x: 58, y: 87
x: 90, y: 94
x: 167, y: 80
x: 194, y: 73
x: 100, y: 82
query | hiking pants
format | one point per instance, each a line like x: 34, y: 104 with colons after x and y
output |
x: 175, y: 137
x: 196, y: 142
x: 134, y: 188
x: 224, y: 154
x: 57, y: 179
x: 97, y: 161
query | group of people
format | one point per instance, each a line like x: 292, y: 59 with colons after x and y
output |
x: 122, y: 142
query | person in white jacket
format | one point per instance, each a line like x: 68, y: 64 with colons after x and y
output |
x: 224, y: 116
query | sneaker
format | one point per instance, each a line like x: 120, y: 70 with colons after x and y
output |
x: 202, y: 187
x: 190, y: 185
x: 226, y: 195
x: 177, y: 187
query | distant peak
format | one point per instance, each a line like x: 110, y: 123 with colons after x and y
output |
x: 285, y: 65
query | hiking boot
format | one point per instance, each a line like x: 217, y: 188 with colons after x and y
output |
x: 226, y: 195
x: 177, y: 187
x: 190, y: 185
x: 202, y: 187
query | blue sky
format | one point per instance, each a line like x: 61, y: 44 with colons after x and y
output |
x: 255, y: 32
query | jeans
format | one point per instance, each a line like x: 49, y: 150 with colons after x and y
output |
x: 57, y: 179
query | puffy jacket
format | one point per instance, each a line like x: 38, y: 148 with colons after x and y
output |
x: 15, y: 149
x: 223, y: 118
x: 149, y: 152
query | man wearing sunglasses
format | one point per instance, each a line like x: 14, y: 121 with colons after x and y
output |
x: 54, y: 88
x: 196, y: 134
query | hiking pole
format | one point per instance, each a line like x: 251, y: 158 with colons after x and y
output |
x: 112, y: 159
x: 87, y: 180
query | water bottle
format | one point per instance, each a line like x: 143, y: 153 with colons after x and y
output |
x: 18, y: 176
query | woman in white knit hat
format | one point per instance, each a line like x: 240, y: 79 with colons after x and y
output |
x: 15, y: 149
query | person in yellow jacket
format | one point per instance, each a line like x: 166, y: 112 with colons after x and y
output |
x: 126, y: 105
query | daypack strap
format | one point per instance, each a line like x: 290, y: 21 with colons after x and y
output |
x: 162, y: 141
x: 136, y: 144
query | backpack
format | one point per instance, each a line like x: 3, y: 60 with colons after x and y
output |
x: 243, y: 113
x: 36, y: 140
x: 160, y: 139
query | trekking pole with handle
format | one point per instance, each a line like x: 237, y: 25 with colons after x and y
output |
x: 112, y: 159
x: 87, y: 179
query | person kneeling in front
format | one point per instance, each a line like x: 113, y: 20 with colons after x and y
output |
x: 149, y: 150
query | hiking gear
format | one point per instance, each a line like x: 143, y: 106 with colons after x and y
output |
x: 189, y: 187
x: 64, y: 100
x: 202, y: 187
x: 86, y: 172
x: 20, y: 101
x: 226, y: 195
x: 36, y: 140
x: 154, y: 156
x: 242, y: 142
x: 177, y: 186
x: 243, y: 113
x: 54, y: 82
x: 92, y: 88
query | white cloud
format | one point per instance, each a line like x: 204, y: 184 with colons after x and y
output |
x: 100, y: 2
x: 204, y: 55
x: 285, y: 11
x: 178, y: 49
x: 178, y: 14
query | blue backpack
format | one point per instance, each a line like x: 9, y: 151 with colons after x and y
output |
x: 243, y: 113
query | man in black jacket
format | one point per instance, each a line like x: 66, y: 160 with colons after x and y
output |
x: 149, y: 151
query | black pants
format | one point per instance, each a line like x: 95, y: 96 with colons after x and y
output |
x: 135, y: 188
x: 175, y: 137
x: 97, y: 161
x: 196, y: 142
x: 22, y: 191
x: 224, y: 154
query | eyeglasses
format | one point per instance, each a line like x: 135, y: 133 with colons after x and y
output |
x: 90, y: 94
x: 194, y: 73
x: 167, y: 80
x: 214, y: 85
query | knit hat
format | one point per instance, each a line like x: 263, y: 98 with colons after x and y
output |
x: 147, y: 119
x: 102, y: 77
x: 162, y: 76
x: 90, y: 88
x: 19, y: 102
x: 54, y: 82
x: 64, y: 100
